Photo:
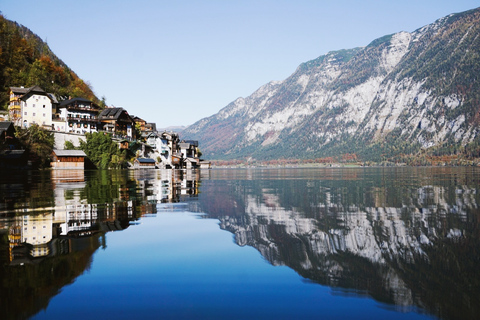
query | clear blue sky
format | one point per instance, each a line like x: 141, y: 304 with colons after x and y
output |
x: 176, y: 62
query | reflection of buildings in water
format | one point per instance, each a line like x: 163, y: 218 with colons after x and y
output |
x: 167, y: 185
x: 68, y: 176
x: 73, y: 214
x: 35, y: 230
x: 31, y: 236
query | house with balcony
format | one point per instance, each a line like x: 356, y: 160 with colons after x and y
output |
x: 31, y: 105
x: 77, y: 115
x: 118, y: 122
x: 164, y: 148
x: 189, y: 151
x: 140, y: 122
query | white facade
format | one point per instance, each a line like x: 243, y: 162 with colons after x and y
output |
x: 161, y: 148
x: 37, y: 109
x: 37, y: 231
x: 77, y: 116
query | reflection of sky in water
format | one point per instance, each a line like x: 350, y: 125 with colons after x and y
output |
x: 178, y: 265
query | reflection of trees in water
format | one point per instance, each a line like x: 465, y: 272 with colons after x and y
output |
x: 403, y: 242
x: 28, y: 288
x: 82, y: 207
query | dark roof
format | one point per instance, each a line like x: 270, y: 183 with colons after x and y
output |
x: 114, y: 114
x: 35, y: 89
x: 190, y: 142
x: 5, y: 125
x: 111, y: 113
x: 52, y: 96
x: 20, y: 90
x: 151, y: 133
x: 145, y: 160
x: 137, y: 119
x: 72, y: 101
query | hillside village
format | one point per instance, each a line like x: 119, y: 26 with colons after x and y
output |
x: 76, y: 117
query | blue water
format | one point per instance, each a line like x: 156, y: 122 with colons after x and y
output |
x: 266, y: 243
x: 180, y: 265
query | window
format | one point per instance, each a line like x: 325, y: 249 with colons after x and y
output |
x: 44, y: 115
x: 33, y: 105
x: 43, y: 106
x: 34, y: 114
x: 25, y: 112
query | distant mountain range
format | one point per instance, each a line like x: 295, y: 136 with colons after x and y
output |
x: 404, y: 96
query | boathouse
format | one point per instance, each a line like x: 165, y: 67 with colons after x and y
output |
x: 68, y: 159
x: 144, y: 163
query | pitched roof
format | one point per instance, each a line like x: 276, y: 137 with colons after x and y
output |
x: 145, y: 160
x: 5, y: 124
x: 138, y: 119
x: 19, y: 90
x: 114, y: 114
x: 69, y: 153
x: 71, y: 101
x: 111, y: 113
x: 35, y: 89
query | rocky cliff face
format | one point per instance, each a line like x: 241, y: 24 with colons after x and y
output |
x: 408, y: 242
x: 410, y: 91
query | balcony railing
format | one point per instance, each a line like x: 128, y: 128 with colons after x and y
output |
x: 83, y: 108
x: 82, y: 119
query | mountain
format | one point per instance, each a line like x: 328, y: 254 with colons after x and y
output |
x: 26, y: 60
x: 404, y: 94
x: 408, y: 243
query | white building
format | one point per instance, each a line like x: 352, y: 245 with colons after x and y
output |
x: 163, y: 147
x: 31, y: 106
x: 77, y: 115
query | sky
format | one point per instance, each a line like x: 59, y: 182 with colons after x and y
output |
x: 176, y: 62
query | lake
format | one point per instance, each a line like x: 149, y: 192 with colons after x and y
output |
x: 260, y: 243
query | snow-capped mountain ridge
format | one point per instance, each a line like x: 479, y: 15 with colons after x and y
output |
x: 416, y: 89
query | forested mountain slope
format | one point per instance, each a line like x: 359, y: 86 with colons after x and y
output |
x: 26, y: 60
x: 403, y: 96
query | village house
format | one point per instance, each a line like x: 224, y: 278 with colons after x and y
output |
x: 32, y: 105
x: 140, y: 122
x: 150, y: 127
x: 189, y: 150
x: 118, y: 122
x: 163, y: 146
x: 77, y: 115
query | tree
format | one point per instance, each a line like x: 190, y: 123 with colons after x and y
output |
x: 39, y: 143
x: 103, y: 151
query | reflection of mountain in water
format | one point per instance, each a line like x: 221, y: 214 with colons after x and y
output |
x: 409, y: 246
x: 50, y: 226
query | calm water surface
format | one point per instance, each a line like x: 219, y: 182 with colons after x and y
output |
x: 328, y: 243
